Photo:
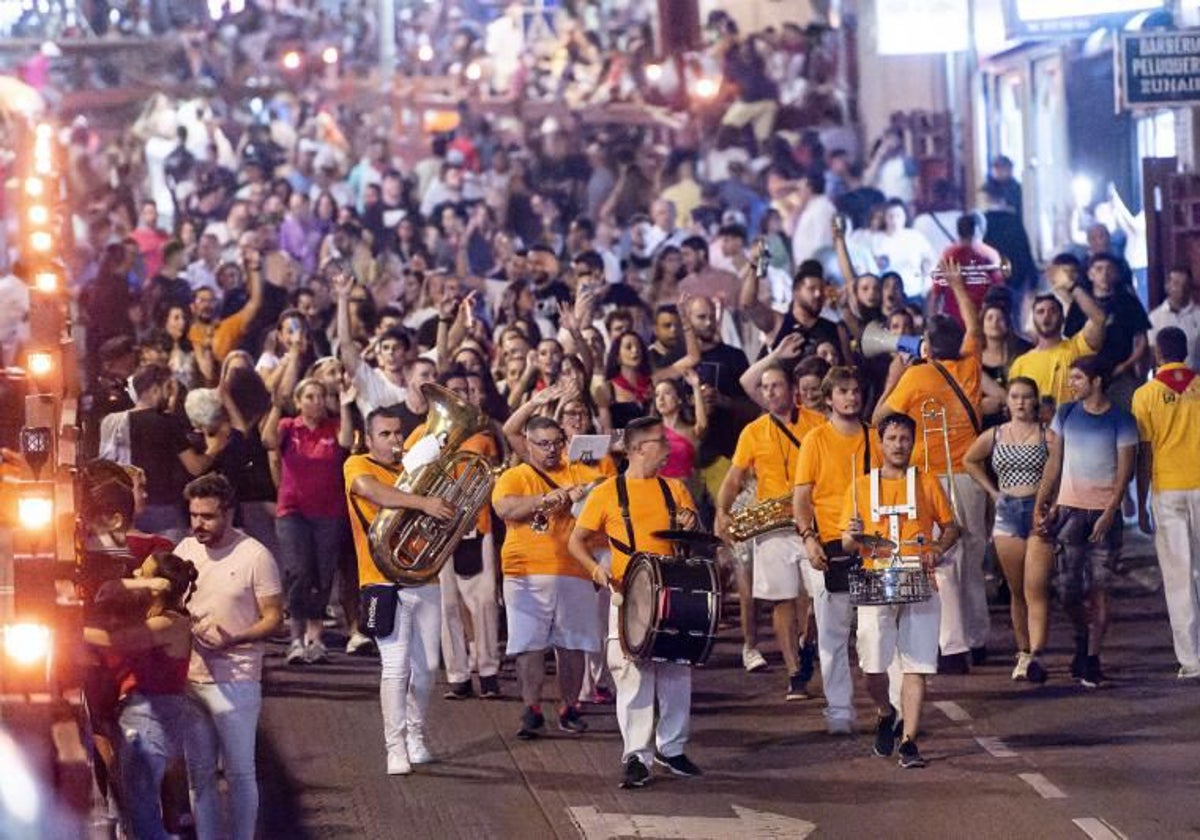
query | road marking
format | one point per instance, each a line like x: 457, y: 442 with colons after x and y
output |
x: 594, y: 825
x: 952, y: 710
x: 1045, y: 788
x: 1098, y: 829
x: 995, y: 747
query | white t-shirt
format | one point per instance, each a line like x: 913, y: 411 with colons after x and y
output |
x: 231, y: 581
x: 814, y: 229
x: 1187, y: 319
x: 909, y: 254
x: 375, y: 389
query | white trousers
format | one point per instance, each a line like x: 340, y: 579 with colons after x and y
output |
x: 1177, y: 543
x: 409, y: 660
x: 834, y: 619
x: 639, y: 685
x: 595, y: 671
x: 478, y: 595
x: 965, y: 619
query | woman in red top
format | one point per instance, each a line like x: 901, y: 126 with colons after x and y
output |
x: 311, y: 523
x: 149, y: 640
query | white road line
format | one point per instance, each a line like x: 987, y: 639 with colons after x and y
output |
x: 1098, y: 829
x: 1045, y: 788
x: 995, y: 747
x: 952, y: 710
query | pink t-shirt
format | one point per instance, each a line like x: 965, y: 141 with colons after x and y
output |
x: 681, y: 460
x: 231, y: 580
x: 310, y: 474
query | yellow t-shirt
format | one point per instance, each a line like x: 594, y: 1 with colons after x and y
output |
x: 526, y: 552
x: 764, y: 448
x: 225, y: 334
x: 480, y: 444
x: 923, y: 382
x: 1049, y: 368
x: 1167, y: 410
x: 355, y: 466
x: 648, y: 513
x: 932, y: 507
x: 825, y: 464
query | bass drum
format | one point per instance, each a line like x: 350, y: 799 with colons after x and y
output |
x: 670, y: 610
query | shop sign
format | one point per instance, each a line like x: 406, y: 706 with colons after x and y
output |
x: 1069, y: 18
x: 1158, y: 68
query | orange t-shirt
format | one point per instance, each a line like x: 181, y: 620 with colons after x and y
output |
x: 648, y: 513
x: 931, y: 503
x: 225, y: 334
x: 526, y: 552
x: 922, y: 382
x: 356, y: 465
x: 764, y: 447
x: 825, y: 463
x: 481, y: 444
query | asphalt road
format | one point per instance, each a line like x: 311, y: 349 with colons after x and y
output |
x: 1006, y: 759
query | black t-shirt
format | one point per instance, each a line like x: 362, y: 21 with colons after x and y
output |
x: 155, y: 441
x: 822, y: 331
x: 722, y: 366
x: 244, y: 462
x: 274, y: 302
x: 660, y: 360
x: 409, y: 419
x: 1125, y: 319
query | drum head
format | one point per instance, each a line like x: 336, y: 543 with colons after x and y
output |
x: 638, y: 610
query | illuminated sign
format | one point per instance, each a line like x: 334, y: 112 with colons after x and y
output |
x: 1159, y: 68
x: 1068, y: 18
x: 919, y: 27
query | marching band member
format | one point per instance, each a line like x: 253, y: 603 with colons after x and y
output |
x: 628, y: 509
x: 550, y: 599
x: 771, y: 446
x: 832, y: 455
x: 902, y: 504
x: 408, y: 648
x: 469, y: 579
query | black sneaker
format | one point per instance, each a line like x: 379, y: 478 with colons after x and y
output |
x: 797, y: 687
x: 635, y: 774
x: 532, y: 724
x: 1079, y: 660
x: 1092, y: 677
x: 953, y: 663
x: 910, y: 756
x: 570, y: 720
x: 680, y: 765
x: 459, y: 691
x: 979, y: 655
x: 808, y: 658
x: 1036, y: 672
x: 489, y: 687
x: 885, y: 735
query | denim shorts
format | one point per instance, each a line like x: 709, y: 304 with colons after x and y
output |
x: 1014, y: 517
x: 1081, y: 565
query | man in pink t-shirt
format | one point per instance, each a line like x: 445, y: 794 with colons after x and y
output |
x: 150, y: 240
x: 966, y: 252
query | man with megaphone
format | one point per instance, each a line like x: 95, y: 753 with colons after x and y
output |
x: 937, y: 380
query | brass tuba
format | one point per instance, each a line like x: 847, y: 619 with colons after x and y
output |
x: 768, y: 515
x: 410, y: 547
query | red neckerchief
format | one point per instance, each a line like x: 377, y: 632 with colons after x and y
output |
x: 641, y: 390
x: 1176, y: 377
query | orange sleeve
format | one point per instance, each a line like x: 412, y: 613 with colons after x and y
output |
x: 942, y: 513
x: 228, y: 333
x: 810, y: 457
x: 904, y: 394
x: 417, y: 434
x: 743, y: 453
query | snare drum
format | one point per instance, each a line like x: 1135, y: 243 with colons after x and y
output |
x: 670, y: 610
x: 889, y: 586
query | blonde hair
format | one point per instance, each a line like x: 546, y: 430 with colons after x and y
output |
x: 298, y: 391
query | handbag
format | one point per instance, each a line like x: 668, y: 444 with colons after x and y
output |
x: 468, y: 557
x: 377, y: 609
x: 837, y: 577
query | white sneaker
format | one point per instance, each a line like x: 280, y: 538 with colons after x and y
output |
x: 295, y: 653
x: 752, y: 660
x: 840, y: 726
x: 1189, y: 672
x: 315, y: 652
x: 1022, y: 670
x: 397, y: 763
x: 358, y: 642
x: 418, y: 753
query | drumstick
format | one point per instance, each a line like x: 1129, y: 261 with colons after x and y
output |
x: 853, y: 485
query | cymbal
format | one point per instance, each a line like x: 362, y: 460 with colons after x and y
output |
x: 693, y: 540
x: 875, y: 542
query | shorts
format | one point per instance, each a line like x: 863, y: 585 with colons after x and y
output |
x: 909, y: 630
x: 547, y: 611
x: 777, y: 559
x: 1081, y: 565
x: 1014, y: 517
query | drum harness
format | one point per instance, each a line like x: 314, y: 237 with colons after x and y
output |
x: 623, y: 501
x: 894, y: 512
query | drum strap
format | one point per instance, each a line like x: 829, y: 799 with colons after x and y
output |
x: 894, y: 512
x: 623, y: 501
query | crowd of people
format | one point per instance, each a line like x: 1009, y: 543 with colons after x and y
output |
x: 661, y: 340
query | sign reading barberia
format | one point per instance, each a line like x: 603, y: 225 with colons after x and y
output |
x: 1159, y: 68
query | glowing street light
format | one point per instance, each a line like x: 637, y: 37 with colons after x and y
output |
x: 291, y: 60
x: 330, y: 55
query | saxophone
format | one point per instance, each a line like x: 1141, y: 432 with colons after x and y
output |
x: 768, y: 515
x: 410, y: 547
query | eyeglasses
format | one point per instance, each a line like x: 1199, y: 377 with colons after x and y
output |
x: 658, y: 441
x: 549, y: 445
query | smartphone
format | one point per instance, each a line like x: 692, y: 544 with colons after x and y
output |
x: 708, y: 373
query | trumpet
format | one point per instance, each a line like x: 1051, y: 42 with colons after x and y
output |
x: 974, y: 274
x: 934, y: 422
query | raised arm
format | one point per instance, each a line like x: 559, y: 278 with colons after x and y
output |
x: 973, y: 337
x: 761, y: 315
x: 788, y: 349
x: 1064, y: 281
x: 343, y: 284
